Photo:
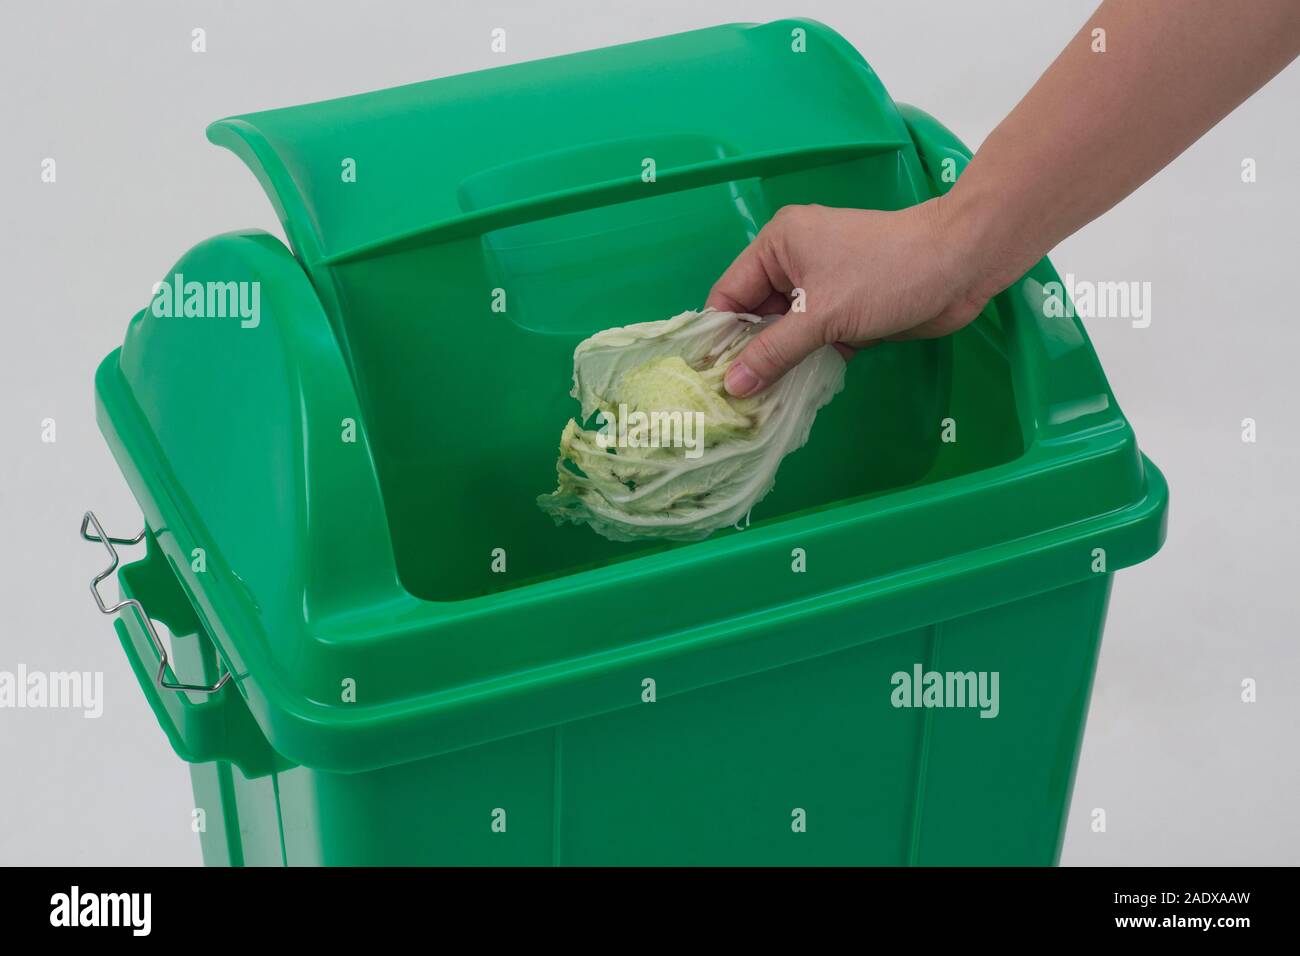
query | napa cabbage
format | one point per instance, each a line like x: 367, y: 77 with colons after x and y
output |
x: 660, y: 449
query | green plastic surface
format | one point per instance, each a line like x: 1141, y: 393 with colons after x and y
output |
x: 399, y: 689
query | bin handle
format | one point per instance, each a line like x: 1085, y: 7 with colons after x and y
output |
x: 89, y: 519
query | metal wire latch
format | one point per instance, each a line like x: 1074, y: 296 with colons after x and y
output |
x: 87, y: 521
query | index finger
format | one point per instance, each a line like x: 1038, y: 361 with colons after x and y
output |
x: 755, y: 280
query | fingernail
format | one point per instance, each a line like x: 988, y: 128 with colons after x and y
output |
x: 740, y: 381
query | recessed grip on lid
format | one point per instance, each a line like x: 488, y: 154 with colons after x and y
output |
x: 1059, y: 383
x: 607, y: 192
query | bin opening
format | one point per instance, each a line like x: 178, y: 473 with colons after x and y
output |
x: 884, y: 432
x: 464, y: 404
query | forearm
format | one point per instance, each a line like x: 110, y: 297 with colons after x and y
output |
x: 1097, y: 125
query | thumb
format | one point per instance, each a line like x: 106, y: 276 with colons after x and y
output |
x: 773, y: 352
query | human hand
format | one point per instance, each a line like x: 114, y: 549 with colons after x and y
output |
x: 865, y: 276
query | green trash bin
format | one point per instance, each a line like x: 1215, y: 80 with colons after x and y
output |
x: 381, y: 650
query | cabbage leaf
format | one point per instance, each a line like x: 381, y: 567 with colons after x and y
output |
x: 673, y: 456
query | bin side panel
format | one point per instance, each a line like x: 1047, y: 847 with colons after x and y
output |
x: 806, y: 764
x: 826, y: 761
x: 490, y: 805
x: 219, y: 836
x: 241, y: 817
x: 997, y: 790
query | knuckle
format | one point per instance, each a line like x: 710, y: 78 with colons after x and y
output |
x: 769, y: 354
x: 788, y: 216
x: 838, y: 328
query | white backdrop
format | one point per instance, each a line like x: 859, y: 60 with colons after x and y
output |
x: 1186, y: 772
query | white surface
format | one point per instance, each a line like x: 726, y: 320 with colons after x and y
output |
x: 1185, y: 771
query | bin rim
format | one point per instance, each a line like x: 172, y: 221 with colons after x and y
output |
x: 464, y: 713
